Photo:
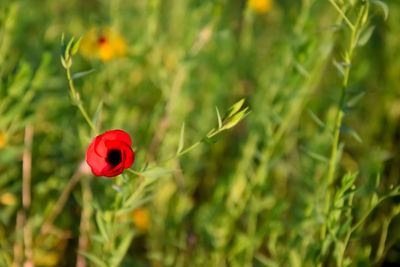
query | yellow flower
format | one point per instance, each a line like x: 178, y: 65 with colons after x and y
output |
x: 8, y: 199
x: 261, y: 6
x: 104, y: 43
x: 2, y: 139
x: 141, y: 218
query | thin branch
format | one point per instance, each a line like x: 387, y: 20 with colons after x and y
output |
x: 18, y: 247
x: 26, y: 193
x: 64, y: 197
x: 26, y: 168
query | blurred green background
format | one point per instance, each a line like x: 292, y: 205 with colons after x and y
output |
x: 252, y: 196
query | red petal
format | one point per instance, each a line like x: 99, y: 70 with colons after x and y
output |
x: 113, y: 172
x: 96, y: 163
x: 100, y: 147
x: 117, y: 135
x: 129, y: 157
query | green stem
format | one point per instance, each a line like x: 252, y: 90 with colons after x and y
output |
x: 348, y: 234
x: 339, y: 115
x: 341, y: 13
x: 382, y: 239
x: 117, y: 202
x: 134, y: 172
x: 135, y: 195
x: 362, y: 220
x: 78, y: 102
x: 187, y: 149
x: 190, y: 148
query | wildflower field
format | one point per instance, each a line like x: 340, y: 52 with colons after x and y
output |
x: 199, y: 133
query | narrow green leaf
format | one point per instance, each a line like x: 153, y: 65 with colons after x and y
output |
x: 315, y: 155
x: 123, y: 247
x: 81, y: 74
x: 63, y: 62
x: 97, y: 113
x: 374, y: 199
x: 133, y: 198
x: 348, y: 180
x: 344, y: 227
x: 235, y: 108
x: 133, y: 204
x: 339, y: 67
x: 156, y: 172
x: 181, y: 139
x: 219, y: 118
x: 117, y: 188
x: 351, y: 132
x: 67, y: 52
x: 236, y: 119
x: 354, y: 100
x: 75, y: 46
x: 66, y: 62
x: 344, y: 191
x: 383, y: 6
x: 93, y: 258
x: 301, y: 69
x: 334, y: 27
x: 315, y: 118
x: 97, y: 238
x: 102, y: 226
x: 63, y: 45
x: 366, y: 35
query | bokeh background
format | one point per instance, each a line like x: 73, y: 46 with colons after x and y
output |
x: 252, y: 196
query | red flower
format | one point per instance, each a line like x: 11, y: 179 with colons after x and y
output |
x: 110, y: 153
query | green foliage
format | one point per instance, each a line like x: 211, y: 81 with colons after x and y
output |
x: 301, y: 170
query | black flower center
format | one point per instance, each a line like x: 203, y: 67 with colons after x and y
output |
x: 113, y: 157
x: 102, y: 40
